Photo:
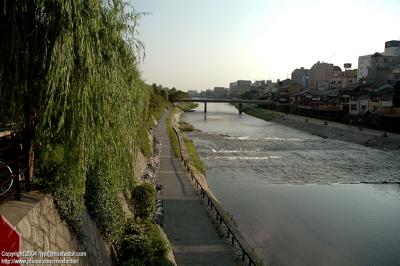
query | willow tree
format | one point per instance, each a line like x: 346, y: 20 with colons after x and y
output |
x: 68, y: 69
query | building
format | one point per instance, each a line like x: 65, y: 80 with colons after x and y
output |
x: 321, y: 74
x: 383, y: 68
x: 345, y: 80
x: 364, y: 63
x: 258, y: 83
x: 392, y: 48
x: 359, y: 98
x: 280, y: 91
x: 359, y: 105
x: 239, y: 87
x: 381, y: 99
x: 329, y: 102
x: 394, y: 75
x: 301, y: 76
x: 257, y: 90
x: 220, y: 92
x: 192, y: 93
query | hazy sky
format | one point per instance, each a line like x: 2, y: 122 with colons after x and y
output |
x: 200, y: 44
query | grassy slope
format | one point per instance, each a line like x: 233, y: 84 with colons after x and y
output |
x: 192, y: 154
x: 260, y: 113
x: 171, y: 133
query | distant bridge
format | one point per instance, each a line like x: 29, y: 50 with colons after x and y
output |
x: 233, y: 100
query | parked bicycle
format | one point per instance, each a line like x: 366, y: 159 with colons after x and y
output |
x: 6, y: 178
x: 12, y: 165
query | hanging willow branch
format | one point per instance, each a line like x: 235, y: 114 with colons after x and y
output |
x: 68, y: 72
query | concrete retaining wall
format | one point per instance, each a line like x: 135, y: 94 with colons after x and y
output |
x: 41, y: 228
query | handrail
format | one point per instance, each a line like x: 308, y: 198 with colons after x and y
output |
x: 220, y: 213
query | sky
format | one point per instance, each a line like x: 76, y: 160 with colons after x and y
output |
x: 201, y: 44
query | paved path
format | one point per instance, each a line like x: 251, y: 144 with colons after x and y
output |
x: 194, y: 239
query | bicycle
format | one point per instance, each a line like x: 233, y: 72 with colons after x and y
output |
x: 6, y: 178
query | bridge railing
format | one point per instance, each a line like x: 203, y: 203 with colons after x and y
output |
x: 232, y: 233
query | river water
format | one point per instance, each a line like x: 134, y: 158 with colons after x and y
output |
x: 296, y: 197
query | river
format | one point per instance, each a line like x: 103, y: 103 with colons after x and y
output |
x: 296, y: 197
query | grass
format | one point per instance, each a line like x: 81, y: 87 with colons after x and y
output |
x: 171, y: 133
x: 260, y: 113
x: 144, y: 143
x: 184, y: 126
x: 194, y: 157
x: 185, y: 106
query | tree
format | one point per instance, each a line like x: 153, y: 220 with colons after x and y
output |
x: 175, y: 95
x: 69, y: 70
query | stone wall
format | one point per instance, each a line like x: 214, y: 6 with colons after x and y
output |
x: 41, y: 229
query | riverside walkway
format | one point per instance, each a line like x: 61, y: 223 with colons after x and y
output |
x: 194, y: 239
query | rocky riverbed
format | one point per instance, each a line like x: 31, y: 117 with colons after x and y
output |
x: 370, y: 138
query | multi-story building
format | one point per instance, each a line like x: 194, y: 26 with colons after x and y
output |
x: 301, y: 76
x: 220, y: 92
x: 364, y: 62
x: 392, y: 48
x: 258, y: 83
x: 345, y: 80
x: 193, y: 93
x: 382, y: 68
x: 239, y: 87
x: 321, y: 74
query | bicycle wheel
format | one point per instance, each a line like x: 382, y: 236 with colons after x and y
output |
x: 6, y: 180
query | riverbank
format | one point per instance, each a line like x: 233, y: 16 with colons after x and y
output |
x: 186, y: 223
x: 198, y: 171
x: 332, y: 130
x: 222, y: 220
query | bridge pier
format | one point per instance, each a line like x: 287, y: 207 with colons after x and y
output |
x: 205, y: 107
x: 240, y: 108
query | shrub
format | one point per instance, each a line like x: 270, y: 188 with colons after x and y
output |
x: 103, y: 202
x: 158, y: 242
x: 142, y: 244
x: 184, y: 126
x: 136, y: 248
x: 185, y: 106
x: 144, y: 198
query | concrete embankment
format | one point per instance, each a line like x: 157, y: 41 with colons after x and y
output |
x: 333, y: 130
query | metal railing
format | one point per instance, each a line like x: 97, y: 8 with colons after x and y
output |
x: 220, y: 214
x: 13, y: 167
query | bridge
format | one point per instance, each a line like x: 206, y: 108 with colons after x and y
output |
x: 233, y: 100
